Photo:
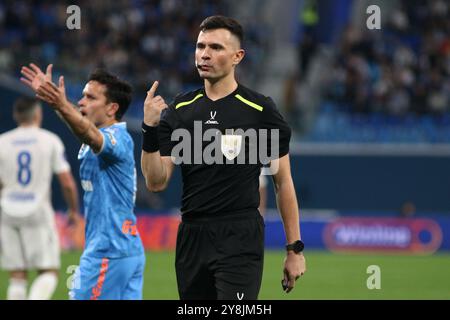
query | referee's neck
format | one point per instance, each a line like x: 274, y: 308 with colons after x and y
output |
x: 219, y: 89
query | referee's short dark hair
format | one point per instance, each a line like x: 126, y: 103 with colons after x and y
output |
x: 117, y: 90
x: 24, y: 109
x: 222, y: 22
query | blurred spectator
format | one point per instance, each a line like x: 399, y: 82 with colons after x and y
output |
x: 307, y: 46
x: 289, y: 101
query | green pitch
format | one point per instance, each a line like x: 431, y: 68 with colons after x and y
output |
x: 329, y: 276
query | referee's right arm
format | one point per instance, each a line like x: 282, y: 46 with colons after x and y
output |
x: 156, y: 169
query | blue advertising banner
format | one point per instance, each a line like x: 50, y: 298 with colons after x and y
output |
x: 368, y: 234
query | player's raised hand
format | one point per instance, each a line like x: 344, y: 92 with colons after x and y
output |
x: 52, y: 94
x: 153, y: 106
x: 34, y: 77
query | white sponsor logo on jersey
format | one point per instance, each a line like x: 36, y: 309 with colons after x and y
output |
x: 212, y: 120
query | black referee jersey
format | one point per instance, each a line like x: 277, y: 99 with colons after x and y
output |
x: 227, y: 186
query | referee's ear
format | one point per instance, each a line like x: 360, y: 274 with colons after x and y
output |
x: 238, y: 56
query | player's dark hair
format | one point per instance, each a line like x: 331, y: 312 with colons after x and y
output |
x: 24, y: 109
x: 222, y: 22
x: 117, y: 90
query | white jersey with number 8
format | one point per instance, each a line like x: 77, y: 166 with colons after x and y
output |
x: 29, y: 156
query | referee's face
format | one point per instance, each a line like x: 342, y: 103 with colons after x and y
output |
x: 218, y: 52
x: 94, y: 104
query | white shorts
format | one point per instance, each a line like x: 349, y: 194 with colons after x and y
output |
x: 29, y: 247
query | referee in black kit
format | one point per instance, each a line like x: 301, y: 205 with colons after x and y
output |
x: 220, y: 242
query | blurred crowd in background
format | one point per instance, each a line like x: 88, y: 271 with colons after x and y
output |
x: 387, y: 85
x: 139, y: 40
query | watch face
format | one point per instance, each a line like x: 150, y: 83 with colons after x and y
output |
x: 298, y: 246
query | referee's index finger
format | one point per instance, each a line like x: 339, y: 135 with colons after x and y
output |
x: 153, y: 88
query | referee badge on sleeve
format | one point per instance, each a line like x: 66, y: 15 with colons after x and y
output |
x: 231, y: 145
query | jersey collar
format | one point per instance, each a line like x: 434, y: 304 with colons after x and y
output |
x: 232, y: 94
x: 117, y: 124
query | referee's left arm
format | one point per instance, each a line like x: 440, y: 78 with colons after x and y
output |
x: 295, y: 265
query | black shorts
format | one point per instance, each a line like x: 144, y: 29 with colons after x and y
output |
x: 220, y: 257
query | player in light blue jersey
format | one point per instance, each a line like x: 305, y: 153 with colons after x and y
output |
x: 112, y: 264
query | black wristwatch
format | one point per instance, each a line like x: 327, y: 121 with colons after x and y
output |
x: 296, y: 246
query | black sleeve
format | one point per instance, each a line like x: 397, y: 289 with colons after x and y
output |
x: 272, y: 119
x: 167, y: 125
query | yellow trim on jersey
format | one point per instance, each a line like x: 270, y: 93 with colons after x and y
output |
x: 181, y: 104
x: 251, y: 104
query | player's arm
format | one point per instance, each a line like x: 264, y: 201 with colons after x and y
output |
x: 84, y: 129
x: 70, y: 193
x: 295, y: 265
x: 156, y: 169
x: 55, y: 96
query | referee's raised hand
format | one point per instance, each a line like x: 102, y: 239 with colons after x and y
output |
x: 153, y: 106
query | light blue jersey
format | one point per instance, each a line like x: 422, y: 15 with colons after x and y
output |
x: 109, y: 182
